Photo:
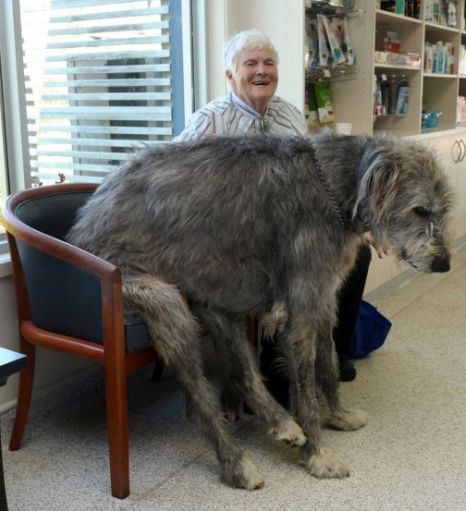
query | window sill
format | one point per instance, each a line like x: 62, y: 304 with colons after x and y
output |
x: 5, y: 266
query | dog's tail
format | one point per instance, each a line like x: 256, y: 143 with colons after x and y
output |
x: 171, y: 324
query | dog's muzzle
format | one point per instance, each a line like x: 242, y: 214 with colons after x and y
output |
x: 440, y: 264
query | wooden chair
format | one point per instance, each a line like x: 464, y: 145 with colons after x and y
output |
x: 71, y: 301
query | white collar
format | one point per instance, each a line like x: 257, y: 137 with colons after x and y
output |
x: 242, y: 105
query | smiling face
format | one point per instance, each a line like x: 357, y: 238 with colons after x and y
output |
x: 256, y: 78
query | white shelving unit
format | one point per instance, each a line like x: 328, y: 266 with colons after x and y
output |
x: 353, y: 99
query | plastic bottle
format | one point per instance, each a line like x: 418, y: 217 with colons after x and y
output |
x: 436, y: 11
x: 388, y: 5
x: 400, y: 7
x: 440, y: 53
x: 429, y: 12
x: 378, y: 105
x: 451, y: 14
x: 393, y: 95
x: 409, y: 8
x: 402, y: 96
x: 434, y: 59
x: 428, y: 57
x: 385, y: 93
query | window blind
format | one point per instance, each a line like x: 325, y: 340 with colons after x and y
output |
x: 99, y: 83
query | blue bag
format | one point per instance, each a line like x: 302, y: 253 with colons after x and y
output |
x: 372, y: 329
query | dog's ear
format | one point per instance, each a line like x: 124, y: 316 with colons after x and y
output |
x: 378, y: 175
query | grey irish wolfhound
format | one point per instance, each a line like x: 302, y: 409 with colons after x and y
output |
x: 211, y: 232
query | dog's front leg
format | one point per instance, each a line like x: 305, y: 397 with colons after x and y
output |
x: 327, y: 381
x: 320, y: 462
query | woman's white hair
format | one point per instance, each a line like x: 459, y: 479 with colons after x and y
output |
x: 246, y: 40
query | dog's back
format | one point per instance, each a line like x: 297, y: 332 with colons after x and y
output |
x: 213, y: 217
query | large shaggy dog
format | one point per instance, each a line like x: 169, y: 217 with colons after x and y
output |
x: 214, y: 231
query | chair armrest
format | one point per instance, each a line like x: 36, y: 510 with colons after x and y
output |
x: 67, y: 289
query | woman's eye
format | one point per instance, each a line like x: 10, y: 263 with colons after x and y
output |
x: 421, y: 211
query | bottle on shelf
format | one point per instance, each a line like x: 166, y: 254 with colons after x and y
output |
x: 388, y: 5
x: 400, y: 7
x: 390, y: 96
x: 409, y: 8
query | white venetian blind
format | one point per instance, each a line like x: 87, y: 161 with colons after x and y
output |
x: 99, y: 83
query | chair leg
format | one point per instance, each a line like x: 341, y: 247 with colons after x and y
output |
x: 116, y: 393
x: 26, y: 380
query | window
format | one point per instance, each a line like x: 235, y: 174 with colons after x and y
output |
x: 85, y: 82
x: 102, y: 78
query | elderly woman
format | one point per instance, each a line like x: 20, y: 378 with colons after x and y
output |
x: 251, y: 107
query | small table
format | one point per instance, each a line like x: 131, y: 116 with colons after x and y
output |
x: 10, y: 362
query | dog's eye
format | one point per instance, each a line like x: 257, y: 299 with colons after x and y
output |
x: 421, y: 211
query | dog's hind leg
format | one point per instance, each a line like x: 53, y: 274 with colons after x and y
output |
x: 242, y: 377
x: 327, y: 380
x: 175, y: 334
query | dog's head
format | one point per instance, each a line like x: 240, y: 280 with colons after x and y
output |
x: 405, y: 200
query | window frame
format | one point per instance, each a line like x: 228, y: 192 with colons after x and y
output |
x: 14, y: 102
x: 4, y: 181
x: 14, y: 151
x: 4, y: 184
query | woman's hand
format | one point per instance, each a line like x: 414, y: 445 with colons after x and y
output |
x: 369, y: 240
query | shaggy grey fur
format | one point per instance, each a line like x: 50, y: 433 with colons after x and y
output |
x: 213, y: 231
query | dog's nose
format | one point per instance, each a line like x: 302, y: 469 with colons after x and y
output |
x: 440, y: 265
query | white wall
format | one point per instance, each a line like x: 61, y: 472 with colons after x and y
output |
x: 50, y: 366
x: 8, y: 331
x: 282, y: 21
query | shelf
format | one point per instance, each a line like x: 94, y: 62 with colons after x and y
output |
x: 389, y: 116
x: 433, y: 92
x: 388, y: 18
x: 340, y: 72
x: 436, y: 28
x: 331, y: 10
x: 439, y: 75
x: 394, y: 67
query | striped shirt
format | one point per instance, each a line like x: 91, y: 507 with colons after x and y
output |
x: 230, y: 115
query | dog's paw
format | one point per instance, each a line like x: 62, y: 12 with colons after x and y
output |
x: 289, y: 432
x: 242, y: 474
x: 327, y: 465
x: 347, y: 420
